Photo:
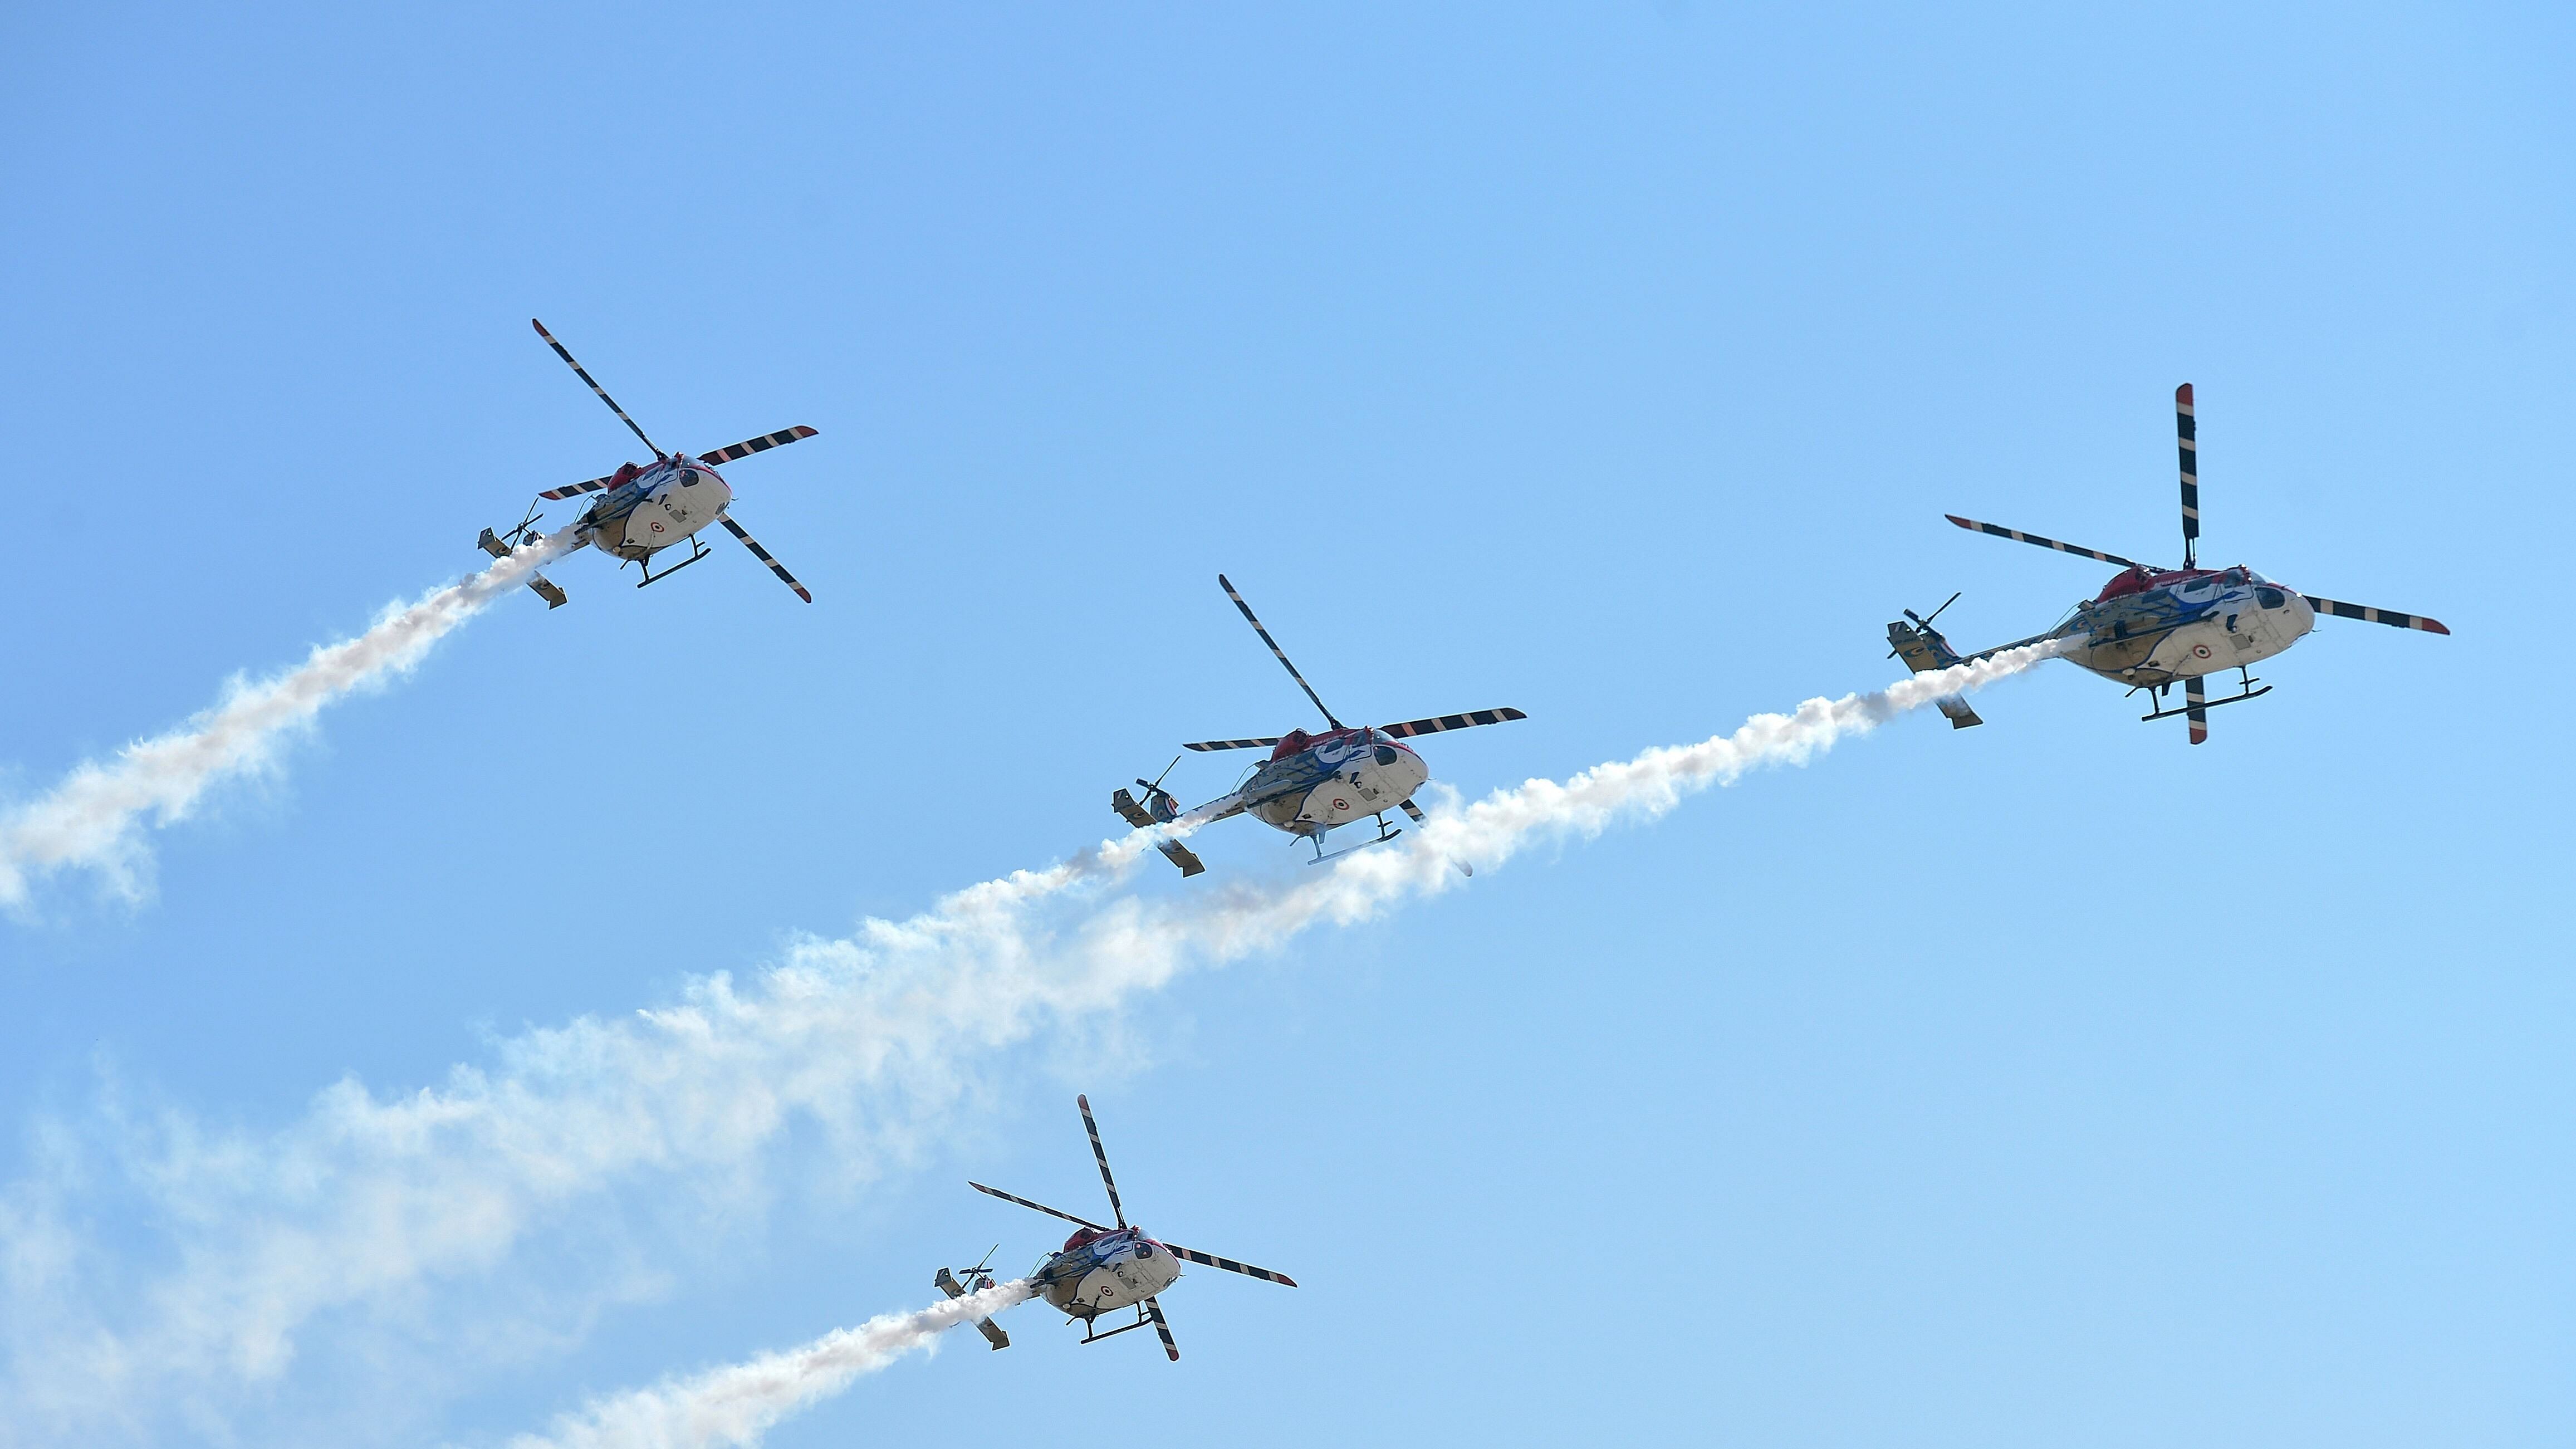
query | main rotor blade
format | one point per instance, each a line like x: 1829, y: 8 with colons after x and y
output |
x: 1438, y: 723
x: 2390, y: 617
x: 568, y: 490
x: 1041, y: 1207
x: 2020, y: 537
x: 1101, y: 1155
x: 1255, y: 621
x: 2187, y: 435
x: 1206, y: 745
x: 762, y: 444
x: 2195, y: 694
x: 1163, y: 1330
x: 1228, y: 1264
x: 762, y: 554
x: 594, y: 386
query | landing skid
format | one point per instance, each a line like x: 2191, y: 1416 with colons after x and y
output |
x: 698, y: 550
x: 2195, y: 707
x: 1383, y: 835
x: 1091, y: 1327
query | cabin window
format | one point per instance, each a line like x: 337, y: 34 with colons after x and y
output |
x: 1386, y: 755
x: 2270, y: 598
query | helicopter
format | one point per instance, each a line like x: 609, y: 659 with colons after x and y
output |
x: 1312, y: 782
x: 975, y: 1280
x: 2151, y: 628
x: 1101, y: 1270
x: 646, y: 508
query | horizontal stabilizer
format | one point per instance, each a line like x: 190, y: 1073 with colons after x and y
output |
x: 947, y: 1283
x: 1128, y: 810
x: 1179, y: 854
x: 545, y: 588
x: 1961, y: 717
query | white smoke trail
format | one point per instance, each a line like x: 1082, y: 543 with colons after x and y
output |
x: 736, y: 1405
x: 91, y: 819
x: 872, y: 1040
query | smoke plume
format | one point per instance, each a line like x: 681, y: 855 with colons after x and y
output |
x: 93, y: 818
x: 869, y: 1043
x: 736, y: 1405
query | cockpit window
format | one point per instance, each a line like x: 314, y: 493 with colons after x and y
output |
x: 2269, y: 597
x: 1386, y: 755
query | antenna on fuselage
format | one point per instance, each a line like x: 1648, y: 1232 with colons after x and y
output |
x: 578, y: 372
x: 1255, y: 621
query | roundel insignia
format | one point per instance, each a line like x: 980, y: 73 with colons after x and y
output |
x: 1341, y: 804
x: 657, y: 528
x: 2198, y: 651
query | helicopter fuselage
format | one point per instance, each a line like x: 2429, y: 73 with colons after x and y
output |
x: 662, y: 503
x: 1312, y: 783
x: 1099, y: 1271
x: 2155, y: 627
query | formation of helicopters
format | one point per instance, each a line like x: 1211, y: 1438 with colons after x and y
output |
x: 1101, y: 1270
x: 2150, y: 628
x: 645, y: 508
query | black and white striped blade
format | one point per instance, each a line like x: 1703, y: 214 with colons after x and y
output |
x: 1041, y: 1207
x: 762, y: 554
x: 2017, y: 536
x: 593, y: 486
x: 1261, y: 744
x: 1100, y: 1155
x: 2196, y: 699
x: 2367, y: 614
x: 1441, y: 722
x: 2187, y: 437
x: 1255, y: 621
x: 1211, y: 1260
x: 762, y: 444
x: 579, y: 372
x: 1162, y: 1330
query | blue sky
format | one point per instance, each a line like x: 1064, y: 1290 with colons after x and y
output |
x: 2042, y: 1082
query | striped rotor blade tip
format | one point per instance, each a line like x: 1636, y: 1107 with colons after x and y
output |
x: 2187, y: 441
x: 1100, y: 1154
x: 592, y: 383
x: 2364, y: 612
x: 1211, y: 1260
x: 2041, y: 541
x: 1439, y: 723
x: 1035, y: 1206
x: 2196, y: 694
x: 1278, y: 653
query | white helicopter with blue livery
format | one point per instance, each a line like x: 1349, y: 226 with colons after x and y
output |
x: 1102, y: 1270
x: 645, y: 508
x: 1312, y: 782
x: 2153, y: 628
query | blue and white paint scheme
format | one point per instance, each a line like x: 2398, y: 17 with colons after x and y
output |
x: 2152, y: 628
x: 1102, y: 1269
x: 648, y: 507
x: 1311, y: 782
